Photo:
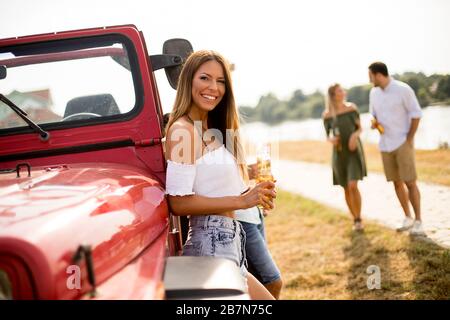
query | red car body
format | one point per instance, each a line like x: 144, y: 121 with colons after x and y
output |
x: 100, y: 185
x: 83, y: 213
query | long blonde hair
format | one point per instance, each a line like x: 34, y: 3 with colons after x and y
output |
x: 330, y: 107
x: 224, y: 116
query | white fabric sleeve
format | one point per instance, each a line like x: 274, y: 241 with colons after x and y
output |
x: 180, y: 178
x: 411, y: 103
x: 371, y: 106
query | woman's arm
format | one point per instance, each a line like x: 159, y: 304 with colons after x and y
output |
x: 327, y: 124
x: 195, y: 204
x: 352, y: 143
x: 358, y: 130
x: 262, y: 194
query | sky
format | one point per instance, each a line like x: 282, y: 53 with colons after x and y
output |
x: 276, y: 46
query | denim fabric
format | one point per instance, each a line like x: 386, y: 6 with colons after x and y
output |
x: 216, y: 236
x: 260, y: 261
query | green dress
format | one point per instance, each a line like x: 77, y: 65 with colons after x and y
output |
x: 347, y: 165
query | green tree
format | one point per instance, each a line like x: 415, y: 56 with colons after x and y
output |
x: 428, y: 89
x: 315, y: 104
x: 424, y: 97
x: 248, y: 114
x: 266, y: 105
x: 360, y: 96
x: 443, y: 88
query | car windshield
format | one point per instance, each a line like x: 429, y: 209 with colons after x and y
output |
x: 67, y: 81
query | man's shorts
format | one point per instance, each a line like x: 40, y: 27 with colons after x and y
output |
x: 399, y: 165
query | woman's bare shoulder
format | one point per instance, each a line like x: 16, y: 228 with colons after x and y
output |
x: 352, y: 106
x: 181, y: 131
x: 326, y: 115
x: 180, y: 124
x: 181, y: 134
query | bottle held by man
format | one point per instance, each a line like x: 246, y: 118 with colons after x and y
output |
x: 377, y: 125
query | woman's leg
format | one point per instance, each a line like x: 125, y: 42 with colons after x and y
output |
x: 355, y: 198
x: 256, y: 290
x: 348, y: 199
x: 274, y: 288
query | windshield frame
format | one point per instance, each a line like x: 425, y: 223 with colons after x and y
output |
x: 78, y: 43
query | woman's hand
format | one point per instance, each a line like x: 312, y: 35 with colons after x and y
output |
x: 261, y: 194
x: 353, y: 141
x: 334, y: 140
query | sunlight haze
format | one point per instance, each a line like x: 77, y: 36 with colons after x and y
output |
x: 276, y: 46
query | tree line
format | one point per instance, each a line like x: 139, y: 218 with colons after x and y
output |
x: 430, y: 90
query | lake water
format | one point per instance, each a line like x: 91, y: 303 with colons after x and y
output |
x: 434, y: 129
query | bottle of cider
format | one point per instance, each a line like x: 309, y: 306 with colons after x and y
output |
x: 378, y: 126
x: 263, y: 164
x: 264, y: 168
x: 337, y: 134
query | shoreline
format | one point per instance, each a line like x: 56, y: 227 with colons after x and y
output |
x: 433, y: 166
x: 433, y: 131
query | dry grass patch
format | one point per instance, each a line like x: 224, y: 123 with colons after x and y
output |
x: 321, y: 258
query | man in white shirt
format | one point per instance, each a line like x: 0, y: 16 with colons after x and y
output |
x: 394, y: 105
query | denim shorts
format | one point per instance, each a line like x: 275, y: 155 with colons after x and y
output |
x: 216, y: 236
x: 260, y: 261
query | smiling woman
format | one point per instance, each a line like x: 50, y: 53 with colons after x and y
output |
x: 205, y: 181
x: 208, y: 88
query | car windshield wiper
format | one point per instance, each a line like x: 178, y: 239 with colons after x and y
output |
x: 44, y: 135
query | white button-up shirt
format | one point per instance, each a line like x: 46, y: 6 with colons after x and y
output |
x: 394, y: 107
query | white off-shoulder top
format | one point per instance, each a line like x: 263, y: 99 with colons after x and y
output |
x: 215, y: 174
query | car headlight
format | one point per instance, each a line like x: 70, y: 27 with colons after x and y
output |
x: 5, y: 286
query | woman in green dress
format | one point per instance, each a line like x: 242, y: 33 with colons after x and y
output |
x: 341, y: 120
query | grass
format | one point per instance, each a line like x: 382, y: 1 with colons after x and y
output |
x: 321, y: 258
x: 432, y: 165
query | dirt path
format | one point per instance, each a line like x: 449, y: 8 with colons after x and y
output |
x: 379, y: 201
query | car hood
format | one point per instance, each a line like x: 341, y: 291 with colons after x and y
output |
x: 44, y: 218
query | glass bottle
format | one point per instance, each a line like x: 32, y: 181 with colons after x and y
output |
x: 264, y: 166
x: 337, y: 135
x: 378, y: 126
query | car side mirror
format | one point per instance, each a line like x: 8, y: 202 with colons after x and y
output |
x: 182, y: 48
x: 2, y: 72
x: 175, y: 53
